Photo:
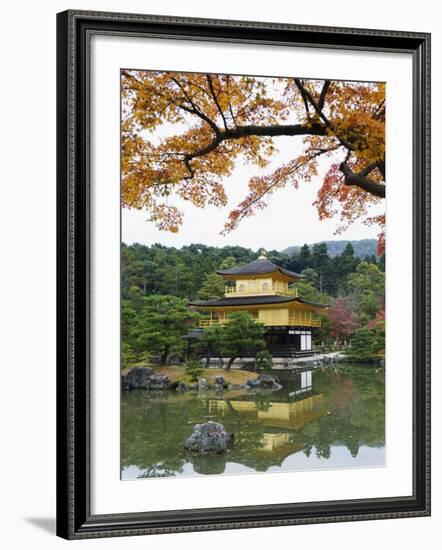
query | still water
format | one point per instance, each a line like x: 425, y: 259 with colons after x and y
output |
x: 321, y: 419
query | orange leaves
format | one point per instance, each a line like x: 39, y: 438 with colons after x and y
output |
x: 327, y: 194
x: 357, y: 115
x: 381, y: 243
x: 379, y: 221
x: 350, y: 202
x: 182, y: 135
x: 260, y: 188
x: 196, y: 105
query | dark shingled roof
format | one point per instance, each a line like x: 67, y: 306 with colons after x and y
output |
x: 251, y: 300
x: 312, y: 303
x: 258, y: 267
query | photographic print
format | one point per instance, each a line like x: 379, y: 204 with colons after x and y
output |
x: 235, y: 304
x: 252, y: 274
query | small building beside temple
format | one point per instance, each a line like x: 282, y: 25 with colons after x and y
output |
x: 264, y: 290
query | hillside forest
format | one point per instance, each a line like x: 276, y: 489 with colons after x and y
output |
x: 157, y: 282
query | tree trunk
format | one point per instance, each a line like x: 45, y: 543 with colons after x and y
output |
x: 229, y: 363
x: 164, y: 355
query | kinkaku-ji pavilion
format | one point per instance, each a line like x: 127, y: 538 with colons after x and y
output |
x: 263, y: 290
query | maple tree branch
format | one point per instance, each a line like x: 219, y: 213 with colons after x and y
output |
x: 195, y: 109
x: 231, y: 113
x: 230, y: 103
x: 215, y: 99
x: 312, y: 101
x: 361, y: 180
x: 254, y: 130
x: 318, y: 153
x: 380, y: 110
x: 189, y: 168
x: 323, y: 94
x: 381, y: 167
x: 369, y: 168
x: 202, y: 116
x: 306, y: 103
x: 131, y: 77
x: 319, y: 109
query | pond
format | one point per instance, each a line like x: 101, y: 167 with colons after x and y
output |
x: 321, y: 419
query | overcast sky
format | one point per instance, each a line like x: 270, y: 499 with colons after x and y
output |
x: 290, y: 218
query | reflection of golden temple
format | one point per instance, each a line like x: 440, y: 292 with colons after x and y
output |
x: 270, y: 442
x: 292, y: 414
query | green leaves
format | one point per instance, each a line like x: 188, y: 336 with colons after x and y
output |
x: 361, y: 344
x: 159, y: 325
x: 367, y: 287
x: 242, y: 334
x: 212, y: 287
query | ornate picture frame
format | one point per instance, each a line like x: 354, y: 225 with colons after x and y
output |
x: 75, y: 519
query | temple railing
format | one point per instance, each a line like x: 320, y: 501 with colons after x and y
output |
x: 304, y: 319
x: 300, y: 319
x: 260, y: 290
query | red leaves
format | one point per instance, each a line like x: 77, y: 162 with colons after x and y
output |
x: 259, y: 187
x: 380, y: 316
x: 302, y: 167
x: 343, y: 318
x: 328, y: 193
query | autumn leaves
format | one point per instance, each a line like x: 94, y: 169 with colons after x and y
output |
x: 184, y: 133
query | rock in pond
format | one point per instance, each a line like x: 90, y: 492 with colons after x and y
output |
x: 125, y: 384
x: 263, y: 382
x: 252, y: 383
x: 269, y: 382
x: 159, y: 382
x: 210, y: 437
x: 137, y: 378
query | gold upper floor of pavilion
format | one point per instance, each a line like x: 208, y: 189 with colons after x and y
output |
x: 259, y: 278
x: 261, y: 289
